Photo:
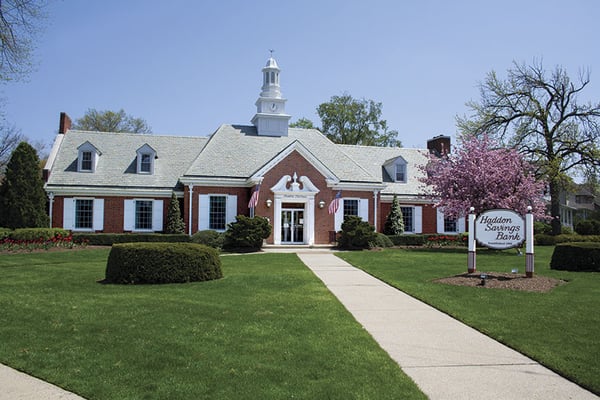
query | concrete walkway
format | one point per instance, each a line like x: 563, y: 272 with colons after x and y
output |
x: 15, y: 385
x: 446, y: 358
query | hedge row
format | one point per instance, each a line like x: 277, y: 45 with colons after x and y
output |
x: 581, y: 256
x: 33, y: 234
x: 137, y: 263
x: 549, y: 240
x: 108, y: 239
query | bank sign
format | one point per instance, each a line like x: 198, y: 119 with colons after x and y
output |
x: 500, y: 229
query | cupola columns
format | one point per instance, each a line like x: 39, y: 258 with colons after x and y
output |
x: 270, y: 118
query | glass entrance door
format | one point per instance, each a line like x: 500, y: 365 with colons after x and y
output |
x: 292, y: 226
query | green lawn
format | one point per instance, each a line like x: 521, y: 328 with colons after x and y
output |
x: 268, y: 330
x: 560, y: 329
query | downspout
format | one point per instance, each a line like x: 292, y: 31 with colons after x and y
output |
x: 51, y: 197
x: 191, y: 198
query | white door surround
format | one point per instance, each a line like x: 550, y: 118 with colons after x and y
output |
x: 298, y: 191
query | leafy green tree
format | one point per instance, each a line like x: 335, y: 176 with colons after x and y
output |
x: 303, y: 123
x: 175, y: 223
x: 538, y: 113
x: 19, y: 24
x: 347, y: 120
x: 111, y: 121
x: 22, y: 196
x: 394, y: 223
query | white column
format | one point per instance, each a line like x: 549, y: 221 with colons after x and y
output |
x: 375, y: 193
x: 529, y: 258
x: 471, y: 258
x: 309, y: 219
x: 191, y: 201
x: 277, y: 220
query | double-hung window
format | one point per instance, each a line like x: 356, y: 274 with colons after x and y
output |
x: 351, y: 207
x: 86, y: 161
x: 84, y: 213
x: 408, y: 216
x: 143, y: 214
x: 146, y: 163
x: 217, y: 212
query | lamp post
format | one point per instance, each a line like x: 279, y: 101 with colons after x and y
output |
x: 51, y: 206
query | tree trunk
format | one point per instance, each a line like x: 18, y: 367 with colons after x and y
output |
x: 555, y: 207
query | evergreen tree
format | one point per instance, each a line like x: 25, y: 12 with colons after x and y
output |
x: 22, y: 196
x: 394, y: 224
x: 175, y: 223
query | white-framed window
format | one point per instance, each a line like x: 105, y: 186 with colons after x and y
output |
x: 143, y: 215
x: 413, y: 218
x: 216, y: 211
x: 449, y: 225
x: 351, y: 206
x: 145, y: 160
x: 83, y: 214
x: 87, y: 157
x: 400, y: 172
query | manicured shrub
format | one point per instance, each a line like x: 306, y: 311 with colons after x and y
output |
x: 588, y: 227
x: 108, y: 239
x: 542, y: 227
x: 356, y: 234
x: 4, y: 233
x: 246, y: 234
x: 209, y: 238
x: 134, y: 263
x: 42, y: 234
x: 408, y: 240
x: 382, y: 241
x: 578, y: 256
x: 549, y: 240
x: 441, y: 240
x: 175, y: 223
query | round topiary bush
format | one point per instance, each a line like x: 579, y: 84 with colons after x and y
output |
x: 209, y: 238
x: 356, y: 234
x: 134, y: 263
x: 579, y: 256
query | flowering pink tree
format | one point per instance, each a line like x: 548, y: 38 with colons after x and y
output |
x: 485, y: 177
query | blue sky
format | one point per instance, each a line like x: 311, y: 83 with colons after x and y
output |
x: 187, y: 67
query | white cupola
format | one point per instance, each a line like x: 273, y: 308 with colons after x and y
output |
x: 270, y: 118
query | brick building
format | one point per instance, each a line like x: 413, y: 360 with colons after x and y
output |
x: 120, y: 182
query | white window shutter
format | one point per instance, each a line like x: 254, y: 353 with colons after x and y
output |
x: 129, y: 215
x: 98, y: 215
x: 231, y: 209
x: 203, y: 212
x: 157, y: 215
x: 418, y: 214
x: 69, y: 213
x: 363, y: 209
x: 440, y: 220
x: 461, y: 225
x: 338, y: 217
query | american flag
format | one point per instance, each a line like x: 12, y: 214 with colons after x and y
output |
x: 335, y: 203
x: 254, y: 198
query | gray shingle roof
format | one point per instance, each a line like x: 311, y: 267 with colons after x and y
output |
x: 116, y: 165
x: 373, y: 158
x: 237, y: 152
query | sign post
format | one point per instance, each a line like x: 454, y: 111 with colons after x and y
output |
x: 471, y: 260
x: 529, y: 243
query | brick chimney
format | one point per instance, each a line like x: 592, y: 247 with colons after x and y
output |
x: 439, y: 145
x: 65, y: 123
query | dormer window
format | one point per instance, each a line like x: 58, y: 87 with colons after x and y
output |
x: 145, y: 160
x: 87, y: 157
x: 396, y: 168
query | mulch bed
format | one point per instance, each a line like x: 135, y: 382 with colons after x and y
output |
x: 497, y: 280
